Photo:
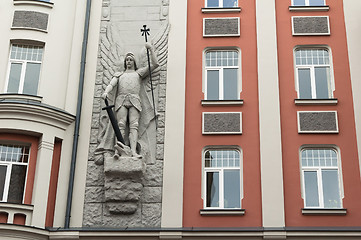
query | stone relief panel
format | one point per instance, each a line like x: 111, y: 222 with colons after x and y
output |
x: 124, y: 184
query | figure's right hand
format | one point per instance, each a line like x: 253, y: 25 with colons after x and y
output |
x: 104, y: 95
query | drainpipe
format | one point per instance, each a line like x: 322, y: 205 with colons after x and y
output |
x: 78, y: 114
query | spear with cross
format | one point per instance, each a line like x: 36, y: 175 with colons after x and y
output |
x: 145, y: 33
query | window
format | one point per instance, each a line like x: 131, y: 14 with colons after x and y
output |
x: 13, y: 170
x: 308, y: 2
x: 222, y: 3
x: 313, y: 70
x: 24, y: 69
x: 222, y: 75
x: 222, y: 178
x: 321, y: 181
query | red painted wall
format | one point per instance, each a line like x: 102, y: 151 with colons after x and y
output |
x: 195, y: 142
x: 292, y: 141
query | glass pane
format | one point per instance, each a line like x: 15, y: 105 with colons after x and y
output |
x: 304, y: 83
x: 212, y: 190
x: 212, y: 3
x: 232, y: 192
x: 311, y: 189
x: 331, y: 191
x: 230, y: 91
x: 317, y: 2
x: 2, y: 180
x: 299, y: 3
x: 229, y: 3
x: 17, y: 183
x: 322, y: 76
x: 14, y: 78
x: 212, y: 85
x: 31, y: 78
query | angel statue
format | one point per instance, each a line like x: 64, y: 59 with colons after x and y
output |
x: 126, y: 84
x: 127, y: 100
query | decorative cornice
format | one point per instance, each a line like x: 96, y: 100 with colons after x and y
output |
x: 45, y: 113
x: 34, y: 3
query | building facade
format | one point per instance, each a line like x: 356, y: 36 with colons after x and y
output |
x: 249, y: 125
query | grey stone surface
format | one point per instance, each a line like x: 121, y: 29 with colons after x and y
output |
x: 310, y: 25
x: 115, y: 220
x: 30, y: 19
x: 222, y: 123
x: 93, y: 213
x: 154, y: 174
x: 124, y: 167
x: 113, y: 197
x: 94, y: 194
x: 125, y: 191
x: 160, y: 135
x: 95, y: 175
x: 151, y: 214
x: 152, y: 195
x: 318, y: 121
x: 221, y: 26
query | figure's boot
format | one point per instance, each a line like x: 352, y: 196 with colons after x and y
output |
x: 133, y: 139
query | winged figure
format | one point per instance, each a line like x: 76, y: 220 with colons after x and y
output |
x: 126, y: 84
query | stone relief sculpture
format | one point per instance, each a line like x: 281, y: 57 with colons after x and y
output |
x: 126, y: 85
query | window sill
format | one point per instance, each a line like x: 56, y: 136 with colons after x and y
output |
x: 28, y: 28
x: 222, y: 102
x: 324, y: 211
x: 220, y: 10
x: 25, y: 97
x: 14, y: 208
x: 306, y: 102
x: 34, y: 3
x: 235, y: 211
x: 309, y: 8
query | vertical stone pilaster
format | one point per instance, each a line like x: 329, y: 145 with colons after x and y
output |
x: 42, y: 179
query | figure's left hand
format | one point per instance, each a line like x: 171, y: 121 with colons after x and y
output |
x: 148, y: 45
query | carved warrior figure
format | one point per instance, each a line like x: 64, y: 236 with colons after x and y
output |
x: 129, y: 89
x: 127, y: 101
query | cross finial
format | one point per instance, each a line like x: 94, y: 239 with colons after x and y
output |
x: 145, y: 32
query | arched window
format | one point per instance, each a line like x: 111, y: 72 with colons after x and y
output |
x: 313, y: 73
x: 321, y: 178
x: 222, y: 178
x: 222, y: 75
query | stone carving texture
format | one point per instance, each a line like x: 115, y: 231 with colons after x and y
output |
x: 30, y: 19
x: 221, y: 26
x: 310, y: 25
x: 318, y: 122
x: 222, y: 123
x: 127, y: 192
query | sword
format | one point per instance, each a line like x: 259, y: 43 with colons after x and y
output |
x: 113, y: 121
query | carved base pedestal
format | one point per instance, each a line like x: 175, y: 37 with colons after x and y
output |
x: 123, y: 183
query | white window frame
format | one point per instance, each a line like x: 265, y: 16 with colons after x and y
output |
x: 220, y: 170
x: 220, y: 69
x: 307, y: 3
x: 312, y: 71
x: 24, y: 64
x: 220, y: 3
x: 9, y: 166
x: 319, y: 169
